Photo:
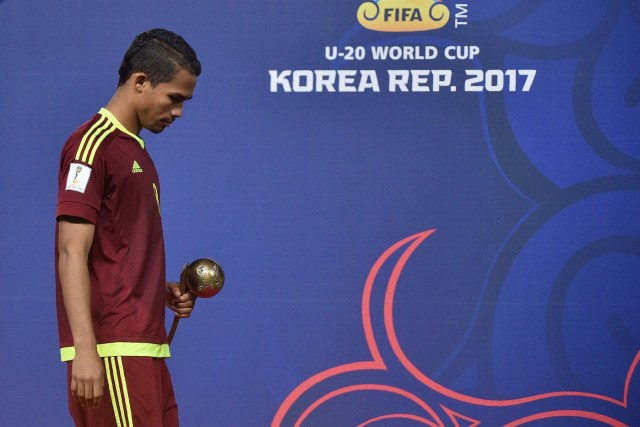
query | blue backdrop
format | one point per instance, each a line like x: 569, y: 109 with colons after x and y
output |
x: 320, y: 197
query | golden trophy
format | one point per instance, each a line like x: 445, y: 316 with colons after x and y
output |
x: 202, y: 278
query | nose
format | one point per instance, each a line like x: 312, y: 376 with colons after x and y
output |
x: 176, y: 112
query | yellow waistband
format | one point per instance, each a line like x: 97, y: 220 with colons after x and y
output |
x: 122, y: 349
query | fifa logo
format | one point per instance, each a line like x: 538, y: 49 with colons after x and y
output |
x: 78, y: 171
x: 408, y: 15
x: 403, y: 14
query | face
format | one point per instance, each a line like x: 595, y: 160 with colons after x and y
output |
x: 159, y: 106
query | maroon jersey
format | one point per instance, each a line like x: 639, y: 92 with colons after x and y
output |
x: 108, y: 178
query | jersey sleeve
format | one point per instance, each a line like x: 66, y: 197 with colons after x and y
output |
x: 80, y: 186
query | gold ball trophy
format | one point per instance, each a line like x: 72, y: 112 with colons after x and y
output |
x: 202, y: 278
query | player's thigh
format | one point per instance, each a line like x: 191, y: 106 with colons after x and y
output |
x: 141, y: 392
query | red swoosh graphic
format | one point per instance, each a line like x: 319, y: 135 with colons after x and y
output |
x: 372, y: 387
x: 377, y: 363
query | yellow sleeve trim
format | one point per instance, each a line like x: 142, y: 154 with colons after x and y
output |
x: 122, y: 349
x: 119, y: 125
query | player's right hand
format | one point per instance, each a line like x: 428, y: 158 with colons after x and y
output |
x: 87, y: 378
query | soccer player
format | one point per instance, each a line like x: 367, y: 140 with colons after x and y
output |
x: 110, y: 261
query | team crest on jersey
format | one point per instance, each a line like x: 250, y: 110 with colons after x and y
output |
x: 78, y: 177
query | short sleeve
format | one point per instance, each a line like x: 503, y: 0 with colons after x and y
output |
x: 80, y: 187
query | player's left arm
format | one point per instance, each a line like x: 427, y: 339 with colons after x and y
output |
x: 181, y: 303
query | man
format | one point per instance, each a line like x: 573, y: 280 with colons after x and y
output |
x: 110, y: 261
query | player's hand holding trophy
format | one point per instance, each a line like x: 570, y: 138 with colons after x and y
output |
x: 203, y: 278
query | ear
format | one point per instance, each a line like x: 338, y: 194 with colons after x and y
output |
x: 140, y: 81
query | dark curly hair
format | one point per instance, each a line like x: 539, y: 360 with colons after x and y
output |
x: 160, y: 54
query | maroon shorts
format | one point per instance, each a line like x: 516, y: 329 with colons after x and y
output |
x: 137, y: 393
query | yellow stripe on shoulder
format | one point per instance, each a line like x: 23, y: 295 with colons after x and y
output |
x: 97, y: 143
x: 94, y: 141
x: 97, y: 133
x: 90, y: 134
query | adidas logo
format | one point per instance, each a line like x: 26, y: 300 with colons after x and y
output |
x: 136, y: 167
